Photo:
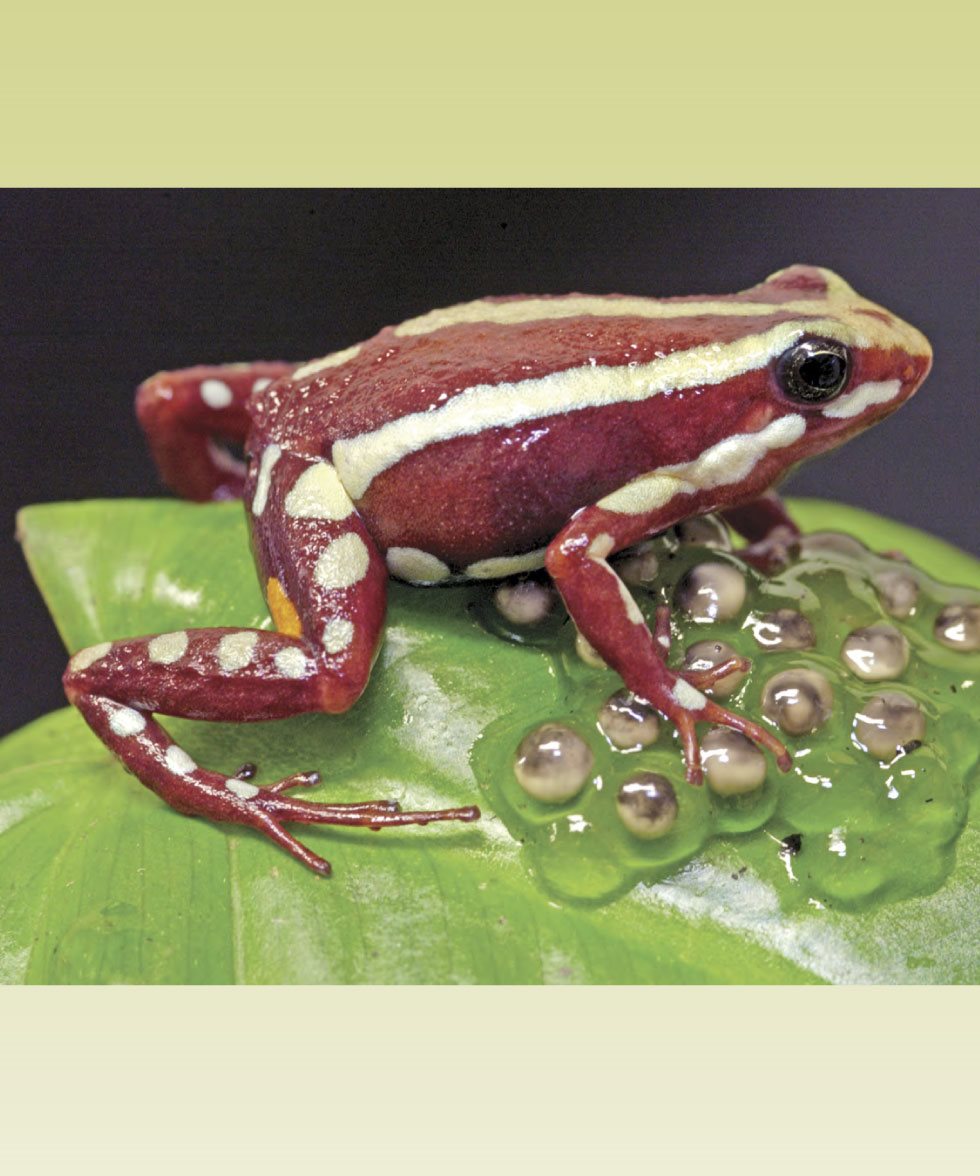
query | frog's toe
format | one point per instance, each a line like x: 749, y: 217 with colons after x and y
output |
x: 726, y: 718
x: 267, y: 809
x: 684, y: 719
x: 298, y: 780
x: 703, y: 679
x: 684, y: 722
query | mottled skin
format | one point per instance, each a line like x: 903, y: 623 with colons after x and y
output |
x: 486, y: 432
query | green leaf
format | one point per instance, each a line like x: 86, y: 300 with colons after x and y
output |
x: 101, y: 882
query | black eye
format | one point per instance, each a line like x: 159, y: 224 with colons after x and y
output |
x: 814, y: 370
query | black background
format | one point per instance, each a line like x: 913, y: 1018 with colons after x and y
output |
x: 99, y: 289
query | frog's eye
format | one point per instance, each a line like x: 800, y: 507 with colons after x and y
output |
x: 814, y: 370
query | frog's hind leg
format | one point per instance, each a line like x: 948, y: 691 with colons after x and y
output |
x: 610, y: 620
x: 326, y: 588
x: 187, y: 414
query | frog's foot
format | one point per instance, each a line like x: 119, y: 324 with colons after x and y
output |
x: 147, y: 750
x: 685, y: 706
x: 606, y: 614
x: 699, y: 679
x: 773, y: 537
x: 234, y: 800
x: 266, y: 809
x: 773, y: 554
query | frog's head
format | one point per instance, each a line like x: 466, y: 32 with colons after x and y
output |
x: 849, y: 363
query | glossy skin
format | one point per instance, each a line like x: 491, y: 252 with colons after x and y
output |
x: 478, y: 442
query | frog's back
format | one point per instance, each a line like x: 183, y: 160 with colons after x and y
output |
x: 422, y: 364
x: 477, y: 430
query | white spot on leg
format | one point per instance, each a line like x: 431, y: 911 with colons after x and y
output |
x: 167, y: 648
x: 318, y: 494
x: 261, y: 383
x: 216, y: 393
x: 241, y: 788
x: 415, y: 566
x: 686, y: 696
x: 338, y: 633
x: 88, y: 657
x: 291, y: 662
x: 236, y: 650
x: 342, y: 563
x: 126, y: 722
x: 179, y: 762
x: 601, y: 546
x: 270, y: 455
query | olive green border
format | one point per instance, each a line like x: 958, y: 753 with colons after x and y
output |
x: 753, y: 94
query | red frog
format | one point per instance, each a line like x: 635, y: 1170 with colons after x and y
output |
x: 477, y: 442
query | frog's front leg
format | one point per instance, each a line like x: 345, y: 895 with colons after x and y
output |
x: 328, y: 602
x: 773, y: 536
x: 186, y: 414
x: 606, y: 614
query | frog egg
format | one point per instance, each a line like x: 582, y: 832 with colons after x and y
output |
x: 526, y: 602
x: 876, y: 652
x: 647, y: 805
x: 711, y: 592
x: 897, y: 591
x: 799, y: 701
x: 628, y: 722
x: 887, y: 722
x: 553, y: 763
x: 705, y: 655
x: 732, y: 762
x: 588, y: 654
x: 784, y: 629
x: 639, y: 567
x: 706, y: 531
x: 958, y: 626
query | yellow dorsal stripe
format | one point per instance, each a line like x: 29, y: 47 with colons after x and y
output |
x: 526, y: 310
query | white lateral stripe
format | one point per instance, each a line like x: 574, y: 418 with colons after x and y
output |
x: 729, y: 461
x: 506, y: 565
x: 863, y: 396
x: 525, y: 310
x: 360, y: 459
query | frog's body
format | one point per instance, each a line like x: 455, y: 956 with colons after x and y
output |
x: 476, y: 442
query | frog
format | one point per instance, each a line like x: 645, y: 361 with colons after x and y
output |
x: 490, y: 439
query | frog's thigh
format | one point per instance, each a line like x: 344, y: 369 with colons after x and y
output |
x: 183, y: 413
x: 324, y: 580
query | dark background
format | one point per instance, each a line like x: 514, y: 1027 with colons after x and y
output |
x: 100, y: 289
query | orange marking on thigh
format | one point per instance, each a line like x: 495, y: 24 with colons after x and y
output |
x: 283, y: 611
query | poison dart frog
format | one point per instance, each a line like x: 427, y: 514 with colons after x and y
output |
x: 476, y: 442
